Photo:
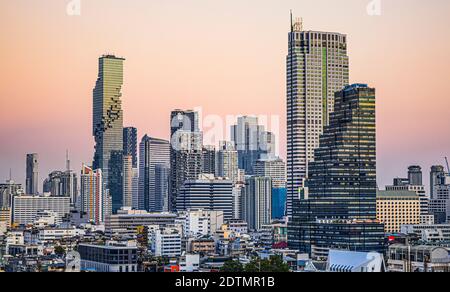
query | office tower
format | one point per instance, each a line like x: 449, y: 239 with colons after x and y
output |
x: 93, y: 199
x: 238, y: 193
x: 130, y: 144
x: 108, y: 122
x: 248, y: 136
x: 274, y: 168
x: 25, y: 208
x: 162, y: 174
x: 439, y: 205
x: 397, y: 208
x: 267, y: 144
x: 317, y: 67
x: 152, y: 152
x: 7, y: 191
x: 437, y: 175
x: 279, y: 196
x: 61, y: 184
x: 227, y: 161
x: 337, y: 210
x: 116, y: 180
x: 257, y: 202
x: 185, y: 152
x: 415, y: 175
x: 207, y: 193
x: 32, y: 178
x: 135, y: 189
x: 127, y: 181
x: 209, y: 159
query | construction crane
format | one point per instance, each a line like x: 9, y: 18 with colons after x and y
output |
x: 448, y: 167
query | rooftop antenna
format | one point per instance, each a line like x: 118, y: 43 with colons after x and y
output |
x: 10, y: 174
x: 292, y: 22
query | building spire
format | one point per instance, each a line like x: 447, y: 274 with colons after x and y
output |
x: 292, y: 22
x: 67, y: 160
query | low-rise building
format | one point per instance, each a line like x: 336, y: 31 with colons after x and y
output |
x: 111, y: 257
x: 406, y: 258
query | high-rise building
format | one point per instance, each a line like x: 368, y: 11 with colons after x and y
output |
x: 207, y: 193
x: 108, y: 124
x: 273, y: 167
x: 257, y: 202
x: 130, y: 144
x: 152, y: 152
x: 7, y: 191
x: 437, y: 175
x: 317, y: 67
x: 227, y: 161
x: 209, y: 159
x: 251, y: 142
x: 162, y: 174
x: 337, y: 210
x: 186, y: 152
x: 127, y: 181
x: 116, y: 180
x: 32, y: 178
x: 93, y: 199
x: 415, y: 175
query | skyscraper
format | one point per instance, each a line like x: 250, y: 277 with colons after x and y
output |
x: 257, y: 202
x: 415, y: 175
x: 338, y: 208
x: 62, y: 183
x: 186, y: 153
x: 248, y: 137
x: 93, y: 199
x: 227, y: 161
x: 153, y: 152
x: 209, y: 159
x: 127, y: 181
x: 32, y: 178
x: 317, y: 67
x: 108, y: 122
x: 437, y: 174
x: 130, y: 144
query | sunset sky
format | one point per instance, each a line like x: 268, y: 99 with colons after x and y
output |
x: 227, y: 57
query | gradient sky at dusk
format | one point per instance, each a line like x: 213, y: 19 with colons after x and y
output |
x: 226, y: 56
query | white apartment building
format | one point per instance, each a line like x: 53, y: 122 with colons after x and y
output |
x: 26, y: 208
x: 165, y: 241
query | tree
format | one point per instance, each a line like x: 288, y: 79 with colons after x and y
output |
x: 274, y: 264
x: 232, y: 266
x: 59, y: 250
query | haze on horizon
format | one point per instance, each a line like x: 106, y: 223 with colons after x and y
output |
x: 227, y: 57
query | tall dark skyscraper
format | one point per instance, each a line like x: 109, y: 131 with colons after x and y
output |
x: 415, y: 175
x: 130, y: 144
x: 108, y: 125
x: 153, y: 152
x: 32, y: 175
x: 337, y: 209
x: 317, y: 66
x: 186, y: 153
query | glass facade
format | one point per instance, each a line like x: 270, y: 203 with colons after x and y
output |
x: 338, y: 209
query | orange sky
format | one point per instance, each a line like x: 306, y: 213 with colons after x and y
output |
x: 226, y: 56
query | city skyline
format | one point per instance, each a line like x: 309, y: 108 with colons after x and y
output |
x: 72, y: 125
